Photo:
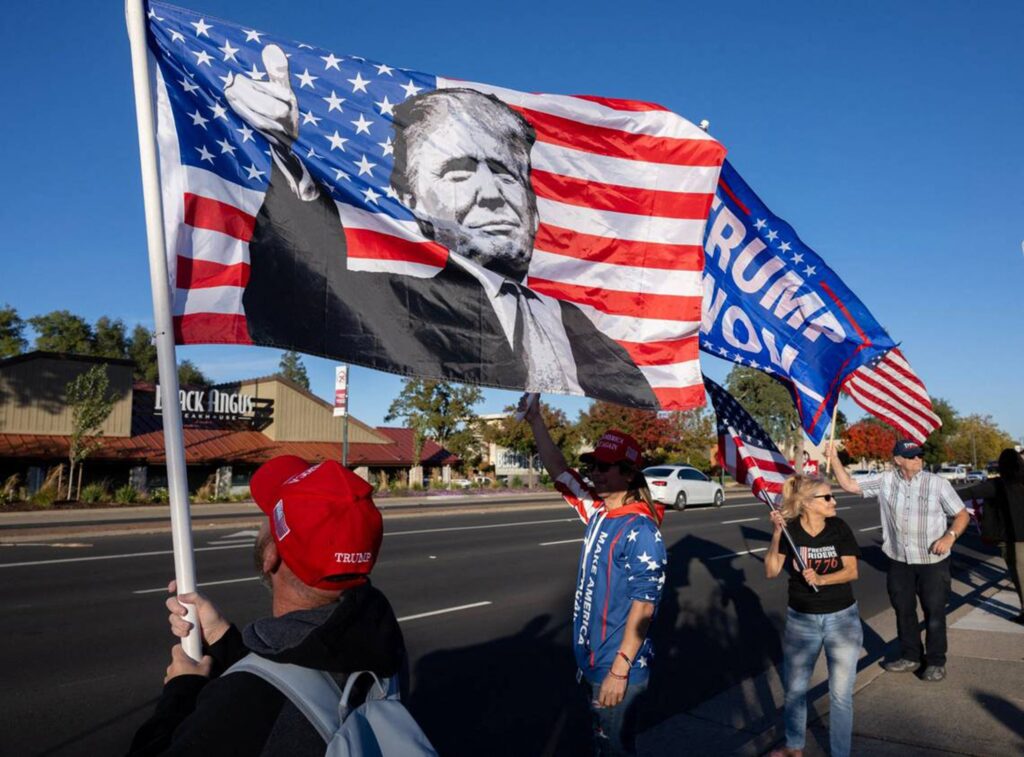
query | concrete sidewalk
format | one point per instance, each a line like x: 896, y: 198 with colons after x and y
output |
x: 977, y: 710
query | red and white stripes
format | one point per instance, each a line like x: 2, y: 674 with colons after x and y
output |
x: 763, y: 470
x: 892, y: 392
x: 623, y: 190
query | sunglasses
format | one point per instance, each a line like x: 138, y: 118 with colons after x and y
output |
x: 827, y: 497
x: 601, y: 467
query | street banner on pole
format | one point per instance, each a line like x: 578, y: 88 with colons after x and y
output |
x: 427, y: 226
x: 340, y: 390
x: 771, y: 303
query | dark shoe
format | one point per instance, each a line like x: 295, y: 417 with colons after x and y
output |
x: 933, y: 673
x: 901, y: 666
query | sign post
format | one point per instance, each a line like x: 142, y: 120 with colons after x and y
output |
x: 341, y: 407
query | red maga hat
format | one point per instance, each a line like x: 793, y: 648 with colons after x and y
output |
x: 615, y: 447
x: 322, y: 518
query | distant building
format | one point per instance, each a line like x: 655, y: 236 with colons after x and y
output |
x: 230, y: 429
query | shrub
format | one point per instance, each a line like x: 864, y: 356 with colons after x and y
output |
x: 126, y: 495
x: 159, y: 496
x: 43, y: 499
x: 9, y: 491
x: 516, y: 483
x: 95, y: 493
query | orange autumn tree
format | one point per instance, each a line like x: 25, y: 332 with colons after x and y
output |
x: 869, y: 439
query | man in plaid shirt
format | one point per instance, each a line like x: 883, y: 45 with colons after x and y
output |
x: 917, y: 537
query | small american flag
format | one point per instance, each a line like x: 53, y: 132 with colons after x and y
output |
x: 623, y: 190
x: 889, y: 389
x: 746, y: 450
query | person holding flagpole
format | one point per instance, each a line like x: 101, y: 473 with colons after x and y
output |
x: 620, y: 577
x: 822, y: 611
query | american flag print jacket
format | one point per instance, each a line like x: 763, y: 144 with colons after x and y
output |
x: 623, y: 559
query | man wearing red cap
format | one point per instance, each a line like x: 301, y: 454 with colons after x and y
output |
x: 620, y: 577
x: 315, y: 552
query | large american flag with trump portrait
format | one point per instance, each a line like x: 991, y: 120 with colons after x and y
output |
x: 623, y: 191
x: 746, y: 451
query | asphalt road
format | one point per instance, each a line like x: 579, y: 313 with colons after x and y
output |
x: 485, y: 601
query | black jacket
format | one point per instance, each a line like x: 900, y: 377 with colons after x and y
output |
x: 300, y: 295
x: 240, y: 713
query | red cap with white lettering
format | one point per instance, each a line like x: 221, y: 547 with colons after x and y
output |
x: 322, y: 518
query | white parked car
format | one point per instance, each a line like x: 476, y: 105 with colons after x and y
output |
x: 682, y: 485
x: 955, y: 474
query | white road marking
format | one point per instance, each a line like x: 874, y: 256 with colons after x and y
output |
x: 741, y: 520
x: 442, y: 612
x: 249, y: 543
x: 221, y: 542
x: 60, y: 545
x: 738, y: 554
x: 848, y: 507
x: 871, y: 528
x: 113, y: 557
x: 204, y: 583
x: 474, y: 528
x: 563, y: 541
x: 249, y: 534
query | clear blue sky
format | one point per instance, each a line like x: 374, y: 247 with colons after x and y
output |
x: 888, y: 134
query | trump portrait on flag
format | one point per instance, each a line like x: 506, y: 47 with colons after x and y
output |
x: 425, y: 226
x: 462, y: 166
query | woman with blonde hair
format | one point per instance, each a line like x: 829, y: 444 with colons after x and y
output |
x: 822, y: 611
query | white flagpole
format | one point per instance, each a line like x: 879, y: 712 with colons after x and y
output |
x: 177, y: 480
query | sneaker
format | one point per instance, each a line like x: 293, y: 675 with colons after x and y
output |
x: 933, y: 673
x: 901, y: 665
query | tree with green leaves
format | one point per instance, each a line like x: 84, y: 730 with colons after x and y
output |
x: 91, y: 402
x: 695, y: 435
x: 109, y: 339
x: 62, y: 331
x: 978, y: 440
x: 190, y: 375
x: 435, y: 410
x: 769, y: 403
x: 517, y: 435
x: 12, y: 333
x: 142, y: 350
x: 291, y: 368
x: 936, y: 446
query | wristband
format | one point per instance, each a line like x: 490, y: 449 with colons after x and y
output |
x: 618, y: 677
x: 625, y: 657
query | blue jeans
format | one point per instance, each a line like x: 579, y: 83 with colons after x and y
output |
x: 614, y: 727
x: 842, y: 636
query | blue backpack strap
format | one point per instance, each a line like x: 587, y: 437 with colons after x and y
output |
x: 313, y: 692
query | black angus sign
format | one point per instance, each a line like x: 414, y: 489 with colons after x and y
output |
x: 220, y: 406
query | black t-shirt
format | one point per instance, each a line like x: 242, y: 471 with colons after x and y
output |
x: 824, y: 554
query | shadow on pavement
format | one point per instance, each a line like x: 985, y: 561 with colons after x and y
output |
x: 1007, y: 712
x: 706, y: 647
x: 513, y: 696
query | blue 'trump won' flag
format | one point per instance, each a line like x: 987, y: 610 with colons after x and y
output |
x: 771, y: 303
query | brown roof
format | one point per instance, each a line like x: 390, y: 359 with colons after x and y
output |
x: 207, y: 445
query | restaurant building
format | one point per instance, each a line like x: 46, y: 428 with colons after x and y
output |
x: 229, y: 430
